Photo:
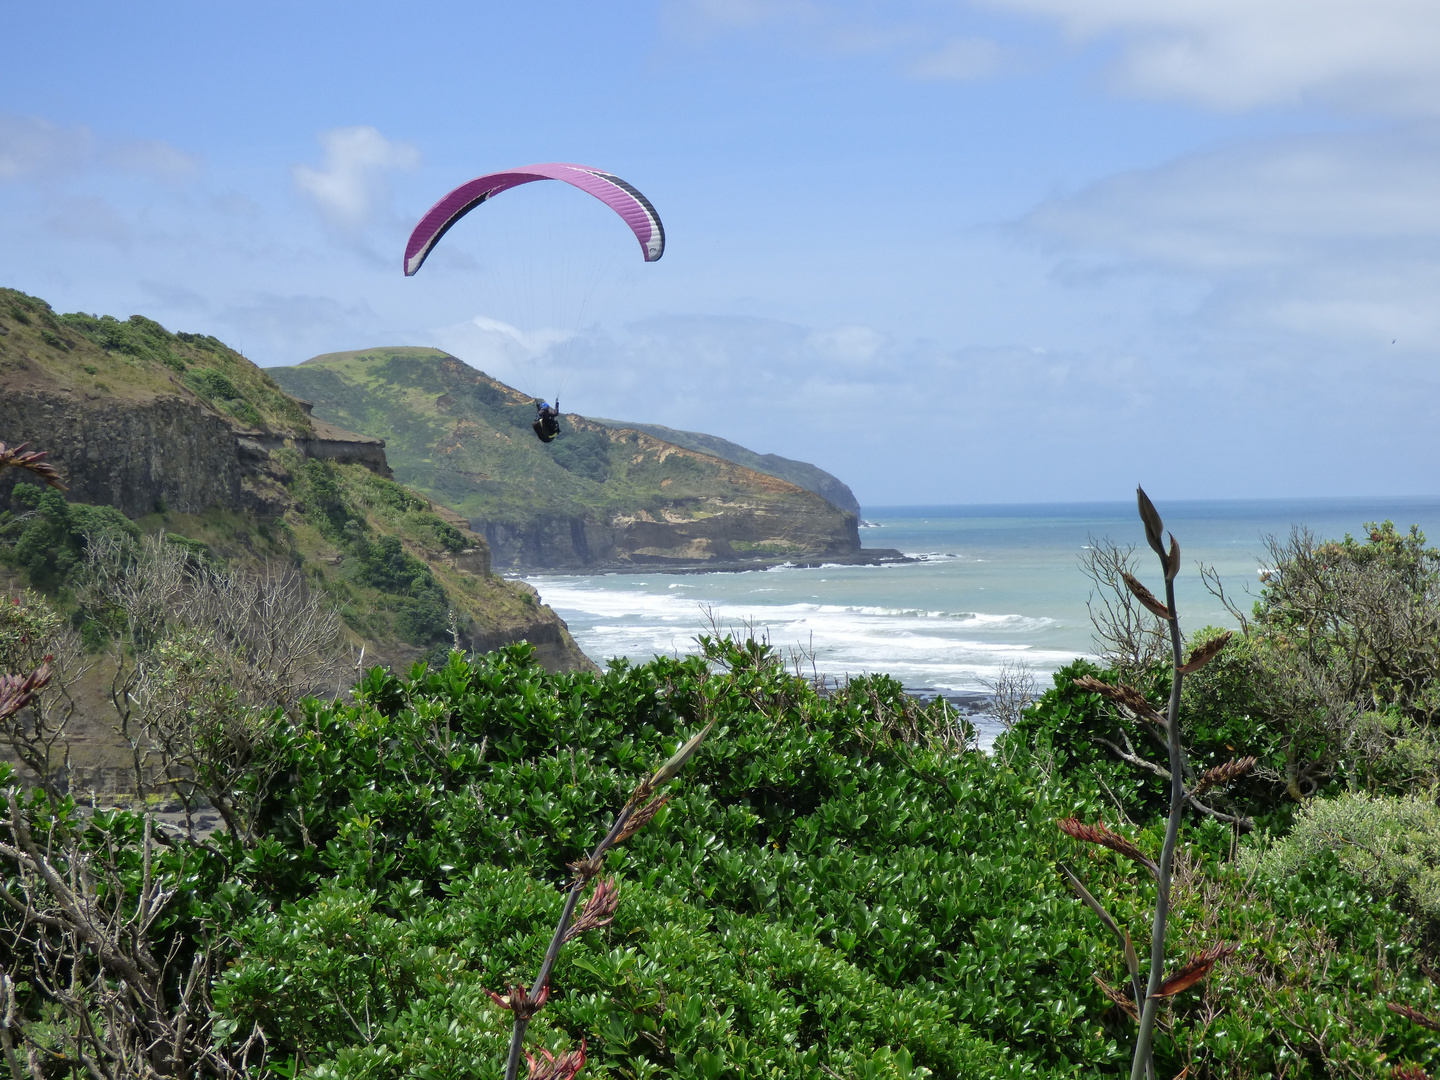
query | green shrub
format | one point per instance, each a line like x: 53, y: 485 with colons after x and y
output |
x: 209, y: 383
x: 1392, y: 844
x: 584, y: 453
x: 45, y: 536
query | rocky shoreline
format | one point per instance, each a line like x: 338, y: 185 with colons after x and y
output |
x: 865, y: 557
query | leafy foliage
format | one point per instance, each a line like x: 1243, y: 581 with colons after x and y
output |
x: 45, y: 535
x: 1392, y: 844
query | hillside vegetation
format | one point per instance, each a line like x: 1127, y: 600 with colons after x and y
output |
x: 597, y: 496
x: 137, y: 359
x: 159, y: 433
x: 800, y: 473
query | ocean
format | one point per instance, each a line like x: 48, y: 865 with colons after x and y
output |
x: 991, y: 586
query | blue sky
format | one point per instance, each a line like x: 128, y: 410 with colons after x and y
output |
x: 952, y: 251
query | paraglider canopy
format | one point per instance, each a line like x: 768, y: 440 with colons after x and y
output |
x: 615, y: 193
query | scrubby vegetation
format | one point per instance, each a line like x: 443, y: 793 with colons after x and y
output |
x: 838, y: 884
x: 138, y: 356
x: 464, y: 439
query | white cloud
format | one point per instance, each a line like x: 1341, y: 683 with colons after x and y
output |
x: 1317, y: 235
x: 510, y: 354
x: 32, y: 147
x: 350, y: 185
x: 1238, y: 54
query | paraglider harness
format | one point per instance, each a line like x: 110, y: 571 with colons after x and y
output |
x: 547, y: 423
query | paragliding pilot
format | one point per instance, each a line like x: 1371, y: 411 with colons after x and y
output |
x: 547, y: 423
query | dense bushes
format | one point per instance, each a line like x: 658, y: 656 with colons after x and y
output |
x: 833, y: 886
x: 1392, y: 844
x: 337, y: 506
x: 45, y: 535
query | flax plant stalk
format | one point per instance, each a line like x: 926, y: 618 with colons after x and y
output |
x: 637, y: 812
x: 1170, y: 563
x: 1133, y: 702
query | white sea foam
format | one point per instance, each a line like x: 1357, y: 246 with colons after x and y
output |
x: 933, y: 648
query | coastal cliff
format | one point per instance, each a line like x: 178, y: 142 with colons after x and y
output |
x: 188, y: 437
x: 602, y: 496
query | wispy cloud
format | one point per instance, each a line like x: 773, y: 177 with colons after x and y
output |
x: 154, y: 158
x: 350, y: 185
x: 1238, y: 54
x: 34, y: 148
x: 31, y: 147
x: 1319, y: 235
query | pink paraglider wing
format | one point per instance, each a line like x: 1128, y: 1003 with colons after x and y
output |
x: 615, y: 193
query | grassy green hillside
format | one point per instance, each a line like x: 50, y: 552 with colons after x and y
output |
x: 465, y: 440
x: 137, y: 359
x: 123, y: 404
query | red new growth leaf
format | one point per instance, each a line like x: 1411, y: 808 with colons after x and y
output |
x: 563, y: 1068
x: 16, y: 691
x: 1198, y: 967
x: 34, y: 460
x: 1409, y: 1072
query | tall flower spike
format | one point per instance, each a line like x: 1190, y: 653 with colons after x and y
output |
x: 1122, y: 693
x: 1198, y: 967
x: 1154, y: 528
x: 671, y: 768
x: 1223, y: 774
x: 1146, y: 597
x: 1413, y: 1015
x: 1203, y: 654
x: 1100, y: 834
x: 518, y: 1001
x: 599, y: 910
x: 642, y: 817
x: 563, y: 1068
x: 34, y: 460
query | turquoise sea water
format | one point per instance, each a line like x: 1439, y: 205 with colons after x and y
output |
x: 994, y: 584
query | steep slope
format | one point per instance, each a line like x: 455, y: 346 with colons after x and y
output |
x: 185, y: 435
x: 800, y: 473
x: 598, y: 497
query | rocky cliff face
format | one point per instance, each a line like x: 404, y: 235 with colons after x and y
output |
x: 166, y: 452
x: 810, y: 477
x: 750, y: 519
